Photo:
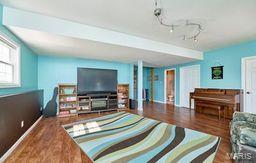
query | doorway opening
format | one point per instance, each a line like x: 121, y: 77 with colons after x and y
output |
x: 170, y: 86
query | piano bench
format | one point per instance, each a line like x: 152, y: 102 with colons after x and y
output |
x: 218, y: 107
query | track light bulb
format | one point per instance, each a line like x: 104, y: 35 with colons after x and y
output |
x: 172, y: 29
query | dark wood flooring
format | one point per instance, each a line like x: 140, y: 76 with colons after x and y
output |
x: 48, y: 142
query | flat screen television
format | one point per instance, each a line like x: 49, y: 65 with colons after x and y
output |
x: 90, y: 81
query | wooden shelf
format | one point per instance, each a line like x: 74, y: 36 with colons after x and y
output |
x: 67, y: 115
x: 84, y: 111
x: 67, y: 85
x: 67, y: 99
x: 123, y: 96
x: 67, y: 94
x: 84, y: 102
x: 97, y: 111
x: 68, y: 108
x: 123, y: 109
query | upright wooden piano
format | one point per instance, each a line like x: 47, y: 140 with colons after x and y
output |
x: 230, y: 100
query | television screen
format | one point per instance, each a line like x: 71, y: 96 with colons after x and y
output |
x: 96, y: 81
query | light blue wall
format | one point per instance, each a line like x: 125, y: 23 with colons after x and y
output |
x: 28, y: 64
x: 161, y: 71
x: 54, y: 70
x: 146, y: 83
x: 230, y: 57
x: 146, y: 73
x: 159, y: 85
x: 131, y: 84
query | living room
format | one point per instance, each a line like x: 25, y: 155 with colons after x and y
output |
x: 124, y: 81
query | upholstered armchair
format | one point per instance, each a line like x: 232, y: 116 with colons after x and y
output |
x: 243, y: 136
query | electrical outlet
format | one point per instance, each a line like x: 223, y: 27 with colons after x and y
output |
x: 22, y: 124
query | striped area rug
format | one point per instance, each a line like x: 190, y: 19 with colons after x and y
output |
x: 125, y: 137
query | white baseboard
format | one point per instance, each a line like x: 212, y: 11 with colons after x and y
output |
x: 159, y: 101
x: 19, y: 140
x: 165, y: 103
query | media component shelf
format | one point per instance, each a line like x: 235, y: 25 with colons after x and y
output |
x: 97, y: 102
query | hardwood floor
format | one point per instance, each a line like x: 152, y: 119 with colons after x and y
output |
x: 48, y: 142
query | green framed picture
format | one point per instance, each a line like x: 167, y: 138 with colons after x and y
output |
x: 217, y: 72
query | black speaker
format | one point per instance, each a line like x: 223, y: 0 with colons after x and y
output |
x: 132, y: 103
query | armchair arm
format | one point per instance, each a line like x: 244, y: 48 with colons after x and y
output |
x: 248, y: 137
x: 242, y: 116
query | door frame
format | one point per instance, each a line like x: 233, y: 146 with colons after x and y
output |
x: 181, y: 78
x: 165, y: 85
x: 243, y: 78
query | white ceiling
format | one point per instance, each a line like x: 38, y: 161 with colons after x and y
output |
x: 47, y: 43
x: 225, y: 22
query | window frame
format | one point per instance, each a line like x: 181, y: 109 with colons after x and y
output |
x: 16, y: 66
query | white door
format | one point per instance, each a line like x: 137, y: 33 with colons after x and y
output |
x: 189, y: 80
x: 250, y: 85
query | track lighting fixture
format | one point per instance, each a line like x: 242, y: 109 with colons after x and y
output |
x: 197, y: 28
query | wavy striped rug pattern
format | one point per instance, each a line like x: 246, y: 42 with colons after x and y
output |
x: 125, y: 137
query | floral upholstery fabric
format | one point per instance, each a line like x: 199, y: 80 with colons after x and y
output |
x: 241, y: 116
x: 243, y: 132
x: 248, y: 137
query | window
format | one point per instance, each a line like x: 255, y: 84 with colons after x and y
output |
x: 9, y: 63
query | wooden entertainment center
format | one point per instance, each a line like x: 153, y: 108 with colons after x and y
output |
x: 70, y: 103
x: 96, y: 103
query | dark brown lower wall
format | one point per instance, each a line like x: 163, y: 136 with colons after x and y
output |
x: 13, y: 110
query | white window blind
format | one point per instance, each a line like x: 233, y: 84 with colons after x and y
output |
x: 9, y: 63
